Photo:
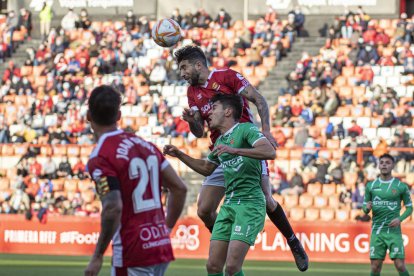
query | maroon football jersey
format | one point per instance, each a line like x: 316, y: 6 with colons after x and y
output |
x: 142, y: 238
x: 220, y: 81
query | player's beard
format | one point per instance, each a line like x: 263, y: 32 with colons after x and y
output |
x: 195, y: 78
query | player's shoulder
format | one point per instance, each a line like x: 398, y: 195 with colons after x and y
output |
x: 223, y: 74
x: 107, y: 143
x: 248, y: 126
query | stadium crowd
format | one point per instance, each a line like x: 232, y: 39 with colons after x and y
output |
x: 335, y: 104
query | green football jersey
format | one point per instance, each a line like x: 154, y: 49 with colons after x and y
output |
x: 242, y: 174
x: 386, y: 200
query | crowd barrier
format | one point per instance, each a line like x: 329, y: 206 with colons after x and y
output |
x: 324, y: 242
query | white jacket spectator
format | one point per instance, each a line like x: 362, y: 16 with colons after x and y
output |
x: 69, y: 20
x: 158, y: 74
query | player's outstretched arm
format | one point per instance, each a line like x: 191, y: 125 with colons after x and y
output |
x: 203, y: 167
x: 193, y: 117
x: 177, y: 191
x: 255, y: 97
x: 407, y: 203
x: 261, y: 150
x: 110, y: 220
x: 367, y: 205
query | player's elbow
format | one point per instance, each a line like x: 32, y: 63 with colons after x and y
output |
x: 270, y: 154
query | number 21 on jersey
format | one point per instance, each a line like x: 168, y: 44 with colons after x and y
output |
x: 148, y: 173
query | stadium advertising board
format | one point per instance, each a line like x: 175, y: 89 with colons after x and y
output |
x: 324, y: 242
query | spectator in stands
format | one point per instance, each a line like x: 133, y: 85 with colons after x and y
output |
x: 367, y: 55
x: 158, y: 74
x: 25, y: 21
x: 201, y: 19
x: 381, y: 38
x: 310, y: 152
x: 283, y: 114
x: 294, y: 84
x: 406, y: 119
x: 345, y: 196
x: 408, y: 65
x: 358, y: 196
x: 64, y: 168
x: 332, y: 103
x: 254, y: 57
x: 79, y: 168
x: 350, y: 153
x: 290, y: 28
x: 177, y: 17
x: 270, y: 15
x: 322, y: 165
x: 336, y: 174
x: 84, y: 21
x: 302, y: 133
x: 389, y: 119
x: 223, y: 19
x: 355, y: 130
x: 49, y: 169
x: 69, y: 21
x: 296, y: 186
x: 365, y: 75
x: 131, y: 20
x: 45, y: 17
x: 299, y: 19
x: 400, y: 31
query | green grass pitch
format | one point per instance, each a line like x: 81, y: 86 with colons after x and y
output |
x: 33, y: 265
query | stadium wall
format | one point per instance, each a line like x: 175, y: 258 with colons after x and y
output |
x: 324, y: 242
x: 163, y: 8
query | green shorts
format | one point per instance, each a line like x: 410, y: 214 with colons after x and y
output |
x: 241, y: 222
x: 379, y: 244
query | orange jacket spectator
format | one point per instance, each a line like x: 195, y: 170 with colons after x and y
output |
x: 381, y: 38
x: 381, y: 148
x: 365, y: 73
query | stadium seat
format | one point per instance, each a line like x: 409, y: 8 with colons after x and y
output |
x: 333, y: 201
x: 311, y: 214
x: 306, y: 200
x: 290, y: 201
x: 341, y: 215
x: 58, y: 184
x: 296, y: 154
x: 314, y: 189
x: 297, y: 214
x: 327, y: 214
x: 329, y: 189
x: 320, y: 201
x: 71, y: 185
x: 59, y: 150
x: 332, y: 144
x: 278, y: 198
x: 4, y: 184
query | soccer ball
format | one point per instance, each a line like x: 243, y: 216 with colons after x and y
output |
x: 166, y: 32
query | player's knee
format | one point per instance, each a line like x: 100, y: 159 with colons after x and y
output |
x: 376, y: 268
x: 400, y: 266
x: 204, y: 214
x: 213, y: 268
x: 271, y: 204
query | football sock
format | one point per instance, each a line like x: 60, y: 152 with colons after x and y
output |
x: 405, y: 273
x: 216, y: 274
x: 240, y: 273
x: 279, y: 219
x: 375, y: 274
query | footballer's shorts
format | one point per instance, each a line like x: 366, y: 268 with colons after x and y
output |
x: 242, y: 222
x: 217, y: 177
x: 152, y: 270
x: 379, y: 244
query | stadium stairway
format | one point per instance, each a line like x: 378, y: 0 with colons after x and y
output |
x: 270, y: 88
x: 193, y: 181
x: 20, y: 56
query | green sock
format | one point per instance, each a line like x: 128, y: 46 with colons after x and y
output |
x: 240, y: 273
x: 374, y: 274
x: 216, y: 274
x: 405, y: 273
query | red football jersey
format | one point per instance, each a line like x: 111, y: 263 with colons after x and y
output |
x: 220, y: 81
x: 142, y: 238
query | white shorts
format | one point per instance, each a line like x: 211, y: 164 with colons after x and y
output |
x: 217, y: 177
x: 153, y: 270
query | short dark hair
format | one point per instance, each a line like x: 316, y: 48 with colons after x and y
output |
x: 386, y: 155
x: 104, y: 104
x: 191, y: 53
x: 229, y: 100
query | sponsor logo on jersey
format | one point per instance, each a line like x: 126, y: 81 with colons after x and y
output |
x: 199, y: 96
x: 235, y: 163
x: 392, y: 205
x: 232, y: 142
x: 237, y: 228
x: 394, y: 191
x: 239, y: 76
x: 215, y: 86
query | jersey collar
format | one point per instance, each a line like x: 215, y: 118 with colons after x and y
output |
x: 386, y: 182
x: 209, y: 77
x: 231, y: 129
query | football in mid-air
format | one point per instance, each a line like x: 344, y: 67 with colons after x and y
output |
x: 166, y: 32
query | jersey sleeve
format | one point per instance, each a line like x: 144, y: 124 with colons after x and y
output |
x: 104, y: 175
x: 213, y: 158
x: 406, y: 198
x: 191, y: 102
x: 252, y: 134
x: 236, y: 81
x: 367, y: 197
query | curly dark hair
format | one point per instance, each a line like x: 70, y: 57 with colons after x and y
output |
x: 191, y: 53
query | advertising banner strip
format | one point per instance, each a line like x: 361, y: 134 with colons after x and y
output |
x: 324, y: 242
